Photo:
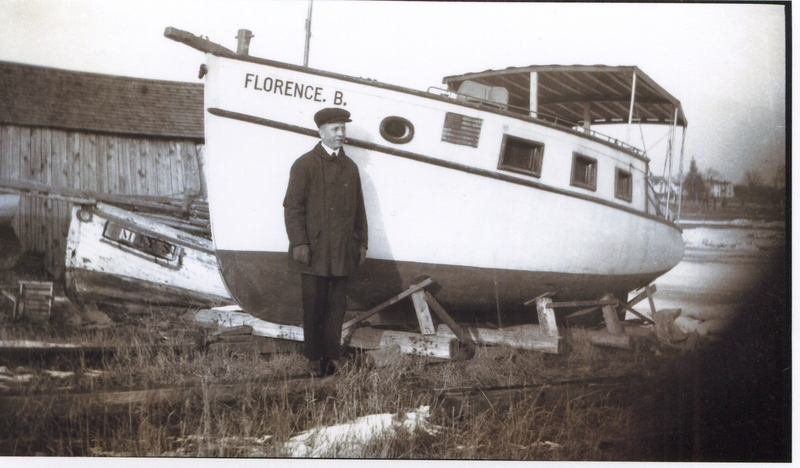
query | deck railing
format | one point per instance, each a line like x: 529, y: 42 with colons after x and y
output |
x: 540, y: 116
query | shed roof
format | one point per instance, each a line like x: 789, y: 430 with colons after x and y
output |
x: 51, y: 97
x: 564, y: 90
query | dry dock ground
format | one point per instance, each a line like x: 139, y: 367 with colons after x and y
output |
x: 148, y: 387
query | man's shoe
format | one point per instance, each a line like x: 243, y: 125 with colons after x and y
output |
x: 315, y: 368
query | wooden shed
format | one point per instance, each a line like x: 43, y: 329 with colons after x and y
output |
x: 94, y: 133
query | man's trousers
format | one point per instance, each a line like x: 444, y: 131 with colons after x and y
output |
x: 324, y: 303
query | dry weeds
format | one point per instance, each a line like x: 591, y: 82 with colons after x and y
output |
x: 218, y: 405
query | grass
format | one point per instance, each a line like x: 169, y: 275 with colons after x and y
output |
x: 224, y: 406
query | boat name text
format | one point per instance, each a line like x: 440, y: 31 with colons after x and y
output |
x: 291, y: 89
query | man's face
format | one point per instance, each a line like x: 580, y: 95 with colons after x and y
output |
x: 333, y: 134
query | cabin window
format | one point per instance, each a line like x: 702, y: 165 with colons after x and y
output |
x: 623, y: 187
x: 519, y: 155
x: 396, y: 129
x: 584, y: 172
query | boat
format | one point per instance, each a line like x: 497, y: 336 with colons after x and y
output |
x: 497, y: 187
x: 117, y: 256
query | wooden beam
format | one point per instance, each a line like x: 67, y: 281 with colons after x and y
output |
x: 581, y: 312
x: 636, y: 313
x: 533, y: 301
x: 443, y: 347
x: 602, y: 338
x: 443, y: 315
x: 601, y: 302
x: 547, y: 318
x: 527, y: 337
x: 197, y: 42
x: 611, y: 318
x: 423, y: 313
x: 642, y: 295
x: 414, y: 288
x: 650, y: 300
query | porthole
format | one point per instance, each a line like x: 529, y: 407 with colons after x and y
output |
x: 397, y: 129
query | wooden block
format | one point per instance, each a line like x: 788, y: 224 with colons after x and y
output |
x: 649, y: 293
x: 664, y: 319
x: 528, y: 337
x: 605, y: 338
x: 423, y: 313
x: 611, y: 317
x: 444, y: 347
x: 547, y: 318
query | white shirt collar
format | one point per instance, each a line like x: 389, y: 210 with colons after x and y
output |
x: 329, y: 150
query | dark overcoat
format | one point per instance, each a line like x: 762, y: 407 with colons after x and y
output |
x: 324, y: 208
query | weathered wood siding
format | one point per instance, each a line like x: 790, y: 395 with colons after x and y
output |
x: 96, y: 162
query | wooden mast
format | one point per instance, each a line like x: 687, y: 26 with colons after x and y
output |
x: 308, y: 33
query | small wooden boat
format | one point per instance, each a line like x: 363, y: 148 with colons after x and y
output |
x: 114, y: 255
x: 497, y: 187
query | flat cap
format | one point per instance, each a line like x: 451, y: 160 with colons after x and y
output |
x: 331, y: 115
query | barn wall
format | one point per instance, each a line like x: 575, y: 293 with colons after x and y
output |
x: 95, y: 162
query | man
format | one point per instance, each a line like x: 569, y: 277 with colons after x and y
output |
x: 327, y: 227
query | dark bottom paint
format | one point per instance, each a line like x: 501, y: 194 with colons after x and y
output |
x: 102, y: 287
x: 263, y: 286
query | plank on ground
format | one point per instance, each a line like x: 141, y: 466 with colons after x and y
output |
x: 528, y: 337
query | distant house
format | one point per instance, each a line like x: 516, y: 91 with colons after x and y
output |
x: 95, y: 133
x: 661, y: 187
x: 719, y: 189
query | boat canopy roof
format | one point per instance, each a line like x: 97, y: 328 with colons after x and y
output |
x: 568, y: 92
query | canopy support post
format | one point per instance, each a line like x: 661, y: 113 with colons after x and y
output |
x: 680, y: 173
x: 534, y: 95
x: 670, y: 151
x: 587, y: 116
x: 630, y: 112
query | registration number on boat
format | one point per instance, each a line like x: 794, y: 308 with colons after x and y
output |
x: 142, y: 242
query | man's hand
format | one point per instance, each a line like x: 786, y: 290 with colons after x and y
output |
x: 363, y: 256
x: 302, y: 254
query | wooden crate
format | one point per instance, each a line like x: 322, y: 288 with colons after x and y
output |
x: 35, y: 300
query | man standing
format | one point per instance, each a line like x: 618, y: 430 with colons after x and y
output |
x: 327, y: 227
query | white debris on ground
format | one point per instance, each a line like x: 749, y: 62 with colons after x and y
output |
x: 20, y: 378
x: 58, y: 374
x: 232, y: 316
x: 349, y: 439
x: 34, y: 344
x: 739, y: 234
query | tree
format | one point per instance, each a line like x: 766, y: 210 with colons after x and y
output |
x: 752, y: 179
x: 693, y: 185
x: 779, y: 181
x: 712, y: 175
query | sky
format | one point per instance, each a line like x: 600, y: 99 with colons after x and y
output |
x: 726, y: 63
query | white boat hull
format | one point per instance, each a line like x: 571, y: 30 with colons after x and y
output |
x: 490, y: 238
x: 101, y: 268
